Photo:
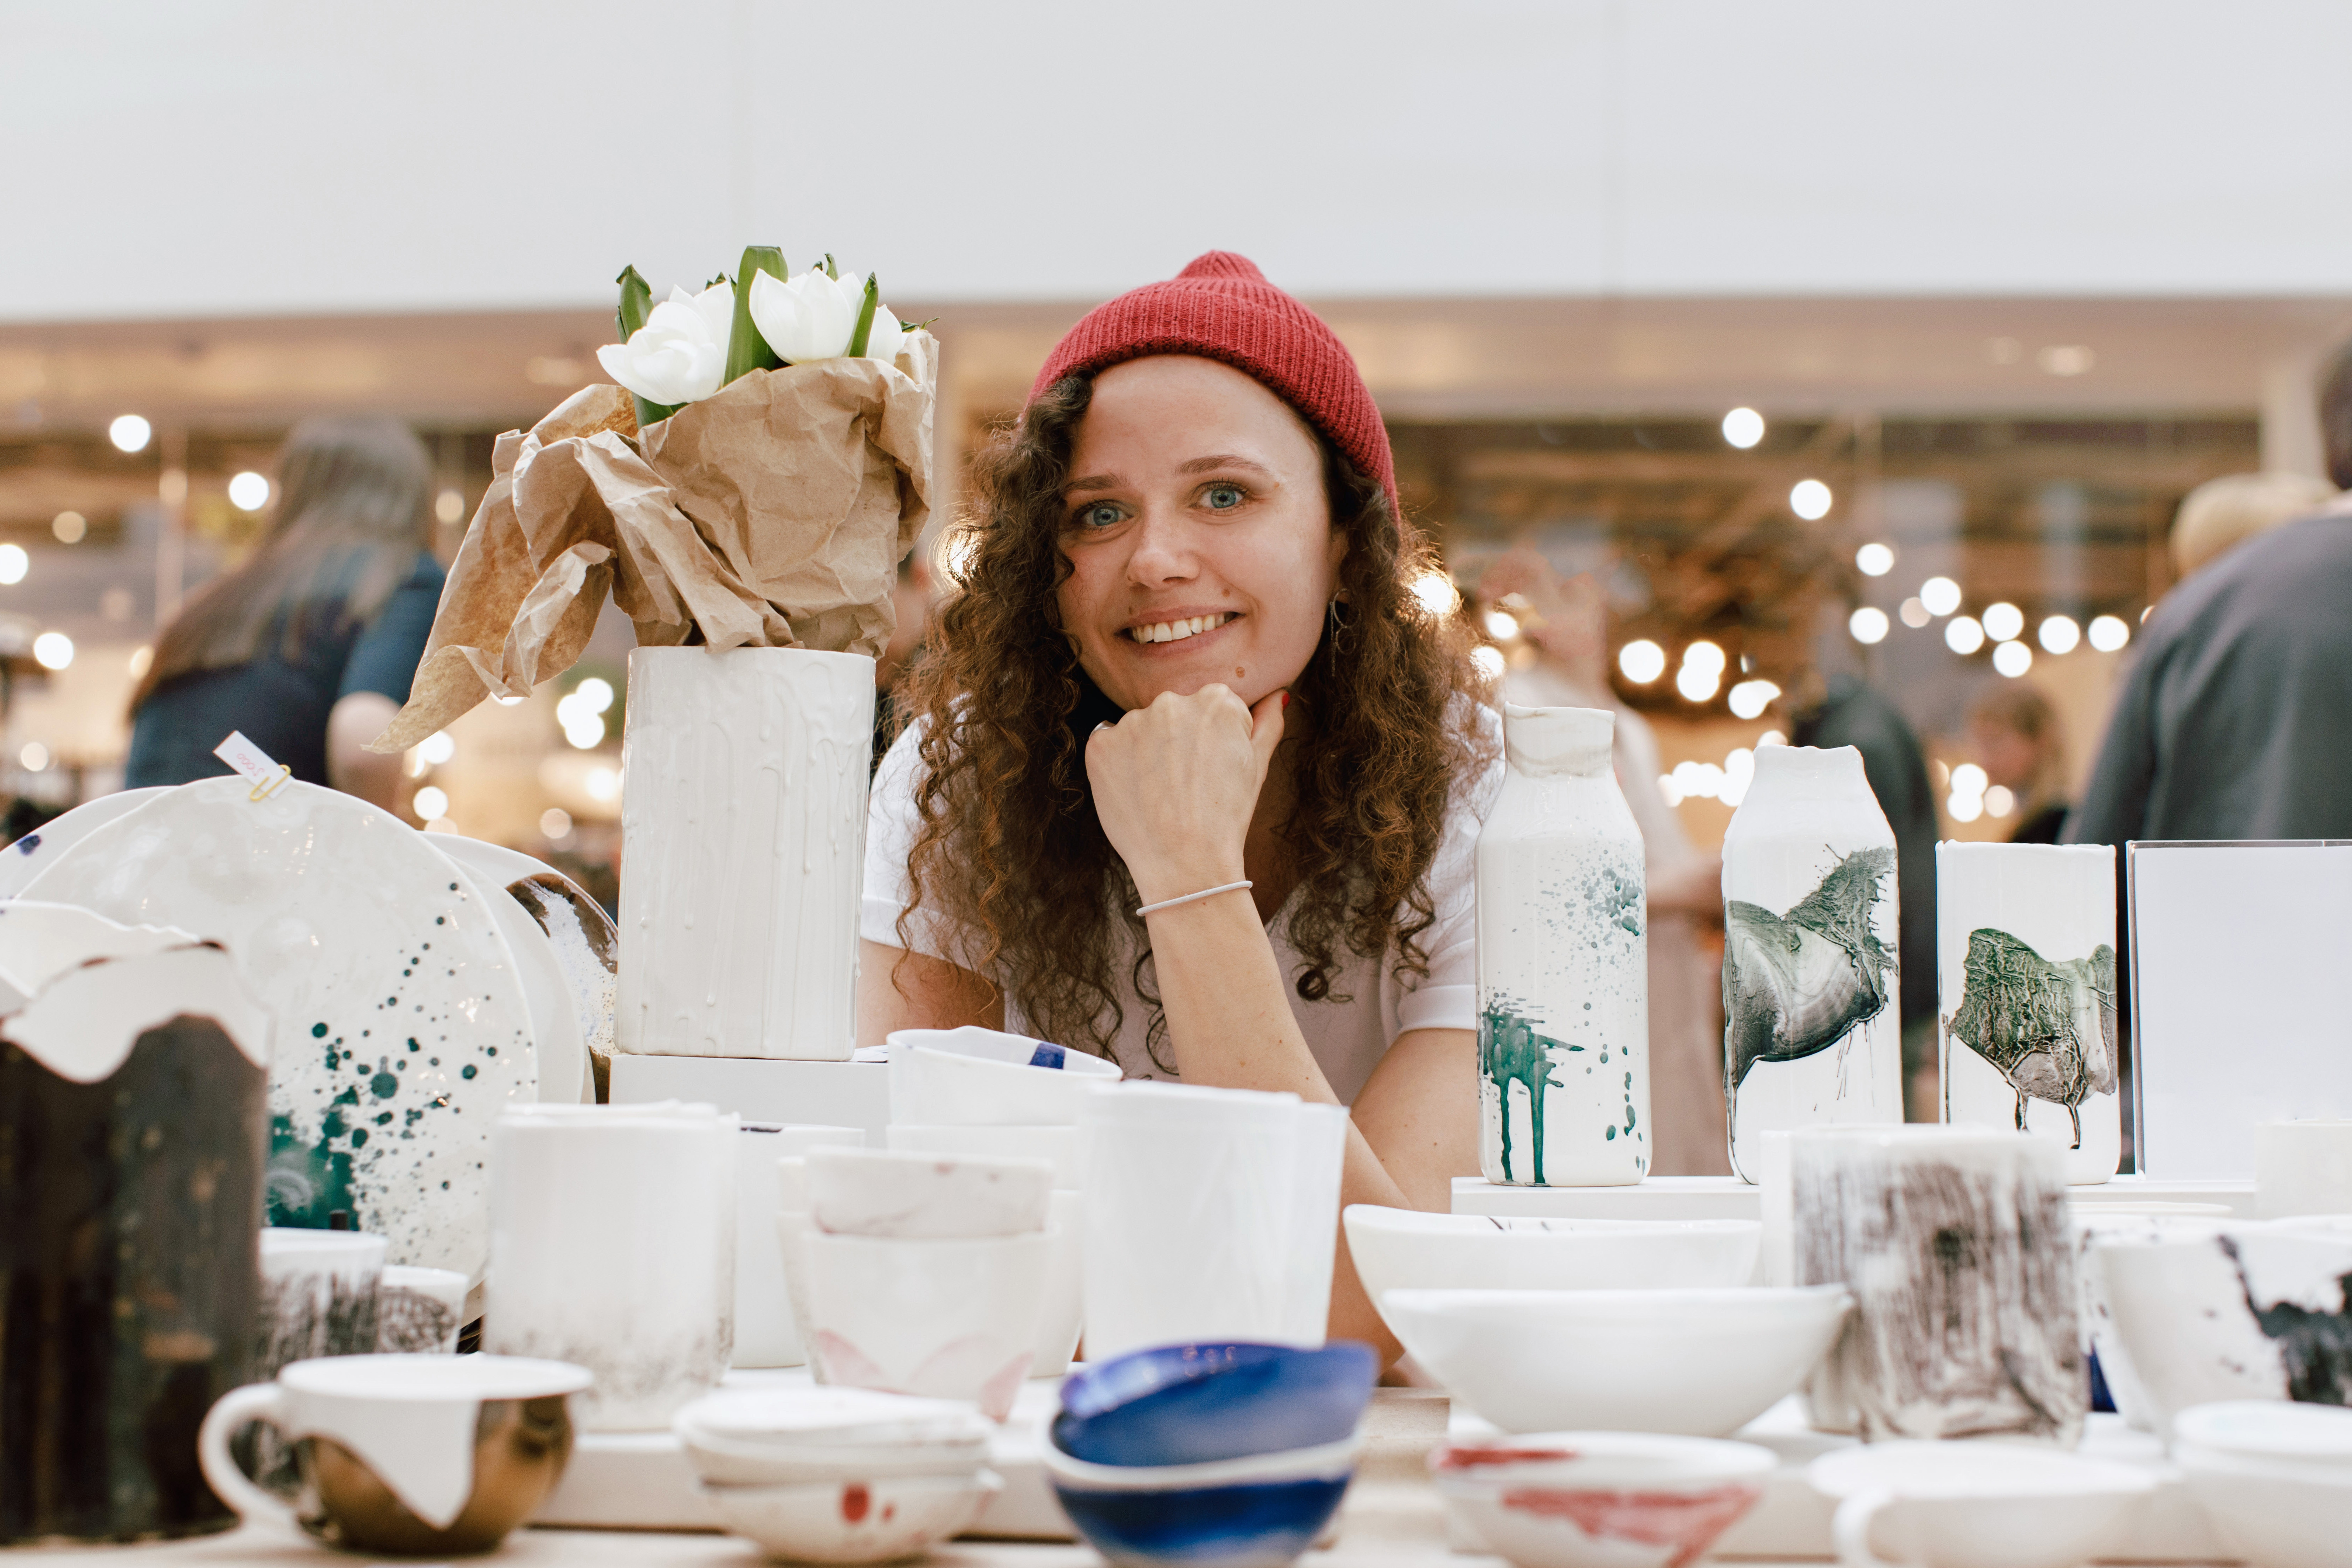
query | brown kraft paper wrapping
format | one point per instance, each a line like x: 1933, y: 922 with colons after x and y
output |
x: 770, y: 514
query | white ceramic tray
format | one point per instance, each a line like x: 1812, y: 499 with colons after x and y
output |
x: 640, y: 1480
x: 1794, y: 1519
x: 1728, y: 1197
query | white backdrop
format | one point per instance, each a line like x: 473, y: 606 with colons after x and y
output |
x: 275, y: 156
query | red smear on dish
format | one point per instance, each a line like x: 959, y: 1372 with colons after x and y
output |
x: 1469, y: 1456
x: 1687, y: 1521
x: 855, y: 1500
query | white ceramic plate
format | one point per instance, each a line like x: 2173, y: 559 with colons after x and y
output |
x: 578, y: 930
x: 45, y: 845
x: 563, y: 1076
x: 402, y: 1025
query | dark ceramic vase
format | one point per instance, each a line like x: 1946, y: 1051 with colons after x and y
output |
x: 129, y: 1213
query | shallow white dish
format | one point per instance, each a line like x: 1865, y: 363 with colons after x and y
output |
x: 1398, y: 1249
x: 2262, y: 1430
x: 875, y: 1520
x: 1699, y: 1363
x: 44, y: 846
x: 2275, y: 1513
x: 361, y: 937
x: 580, y: 936
x: 1602, y: 1500
x: 1978, y: 1505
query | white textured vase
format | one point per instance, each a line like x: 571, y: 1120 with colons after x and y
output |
x: 2025, y: 968
x: 1563, y: 962
x: 743, y: 811
x: 1812, y: 1031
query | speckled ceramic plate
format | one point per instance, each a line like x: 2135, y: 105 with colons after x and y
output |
x: 403, y: 1030
x: 47, y: 845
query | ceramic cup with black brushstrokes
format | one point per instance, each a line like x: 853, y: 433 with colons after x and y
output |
x: 1956, y: 1246
x: 320, y: 1294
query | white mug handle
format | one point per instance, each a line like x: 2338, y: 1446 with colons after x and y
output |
x: 1852, y: 1529
x: 254, y: 1402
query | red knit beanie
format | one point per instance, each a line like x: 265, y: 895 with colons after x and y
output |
x: 1222, y: 307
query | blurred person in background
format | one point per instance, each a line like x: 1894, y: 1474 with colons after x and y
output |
x: 2224, y: 513
x: 2235, y: 720
x: 310, y: 644
x: 1812, y: 659
x: 1567, y: 624
x: 2021, y: 747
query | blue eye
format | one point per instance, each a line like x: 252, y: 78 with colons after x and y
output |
x: 1102, y: 514
x: 1224, y: 498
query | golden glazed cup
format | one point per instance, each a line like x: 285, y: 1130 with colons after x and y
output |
x: 412, y: 1454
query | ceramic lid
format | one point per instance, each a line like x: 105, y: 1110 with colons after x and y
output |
x: 1554, y: 742
x: 832, y: 1417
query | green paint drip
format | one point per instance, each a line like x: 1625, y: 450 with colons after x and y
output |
x: 307, y: 1186
x: 1509, y: 1051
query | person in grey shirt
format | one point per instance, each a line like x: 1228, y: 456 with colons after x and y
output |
x: 2235, y: 720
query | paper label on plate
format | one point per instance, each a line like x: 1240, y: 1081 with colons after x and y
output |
x: 250, y: 761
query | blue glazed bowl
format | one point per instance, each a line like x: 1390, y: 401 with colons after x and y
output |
x: 1258, y: 1512
x: 1194, y: 1404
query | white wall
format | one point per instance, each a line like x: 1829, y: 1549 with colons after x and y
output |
x: 270, y: 156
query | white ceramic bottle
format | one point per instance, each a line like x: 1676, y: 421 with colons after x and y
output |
x: 1563, y: 962
x: 2025, y: 970
x: 1812, y: 1029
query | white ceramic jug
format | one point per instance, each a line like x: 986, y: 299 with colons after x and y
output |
x: 1563, y: 962
x: 1812, y: 1015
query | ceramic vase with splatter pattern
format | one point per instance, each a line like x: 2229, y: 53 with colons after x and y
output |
x: 1563, y: 962
x: 1811, y: 1020
x: 2025, y: 970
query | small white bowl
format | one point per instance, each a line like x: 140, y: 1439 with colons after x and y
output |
x: 984, y: 1076
x: 875, y: 1520
x: 2277, y: 1513
x: 929, y: 1198
x: 787, y: 1437
x: 2265, y: 1429
x: 1600, y: 1499
x: 1978, y: 1504
x: 1700, y: 1362
x: 1398, y: 1249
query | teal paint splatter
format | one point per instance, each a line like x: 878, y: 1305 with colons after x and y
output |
x: 1510, y: 1051
x: 305, y: 1185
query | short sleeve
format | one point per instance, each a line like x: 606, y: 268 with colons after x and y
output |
x: 890, y: 827
x: 1448, y: 997
x: 385, y: 656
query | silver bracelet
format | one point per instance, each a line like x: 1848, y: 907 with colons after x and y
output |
x: 1192, y: 897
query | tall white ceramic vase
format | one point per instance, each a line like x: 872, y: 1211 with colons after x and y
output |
x: 743, y: 811
x: 1811, y: 992
x: 1563, y: 962
x: 2025, y: 966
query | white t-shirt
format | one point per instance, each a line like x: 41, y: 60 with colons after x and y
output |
x: 1347, y: 1038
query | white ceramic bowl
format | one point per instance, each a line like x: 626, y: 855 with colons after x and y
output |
x: 1701, y: 1362
x: 1062, y: 1146
x: 875, y: 1520
x: 1977, y: 1504
x: 2275, y: 1513
x: 946, y: 1319
x: 789, y: 1436
x: 1405, y: 1249
x: 1600, y: 1499
x: 2185, y: 1310
x: 2127, y: 1221
x: 897, y: 1193
x: 983, y: 1076
x: 2260, y: 1430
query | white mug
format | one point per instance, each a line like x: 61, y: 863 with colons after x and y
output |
x: 320, y: 1294
x: 419, y: 1310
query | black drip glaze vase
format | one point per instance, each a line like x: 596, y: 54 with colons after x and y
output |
x: 129, y: 1213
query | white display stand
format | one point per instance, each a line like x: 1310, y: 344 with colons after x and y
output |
x: 832, y: 1094
x: 1728, y: 1197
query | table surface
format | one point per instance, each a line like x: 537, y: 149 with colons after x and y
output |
x: 1392, y: 1517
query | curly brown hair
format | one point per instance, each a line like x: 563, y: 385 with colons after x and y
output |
x: 1009, y: 849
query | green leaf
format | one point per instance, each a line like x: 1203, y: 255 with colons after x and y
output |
x: 746, y: 349
x: 637, y: 304
x: 829, y: 269
x: 866, y: 316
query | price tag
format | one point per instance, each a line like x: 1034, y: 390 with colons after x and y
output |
x: 252, y: 763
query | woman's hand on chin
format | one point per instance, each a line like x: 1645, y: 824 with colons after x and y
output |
x: 1175, y: 785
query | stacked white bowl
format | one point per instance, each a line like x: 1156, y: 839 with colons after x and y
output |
x: 839, y: 1475
x: 2274, y: 1477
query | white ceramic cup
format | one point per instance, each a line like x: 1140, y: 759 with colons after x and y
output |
x: 952, y: 1319
x: 399, y: 1453
x: 916, y: 1197
x: 765, y: 1331
x: 419, y: 1310
x: 1062, y: 1146
x: 1061, y: 1318
x: 1977, y: 1505
x: 320, y: 1290
x: 2304, y: 1167
x: 986, y: 1077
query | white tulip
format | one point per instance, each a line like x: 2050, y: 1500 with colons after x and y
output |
x: 887, y: 336
x: 679, y: 355
x: 809, y: 316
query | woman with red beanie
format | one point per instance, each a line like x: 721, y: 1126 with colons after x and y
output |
x: 1193, y: 780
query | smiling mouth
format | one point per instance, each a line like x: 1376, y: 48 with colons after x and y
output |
x: 1177, y: 631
